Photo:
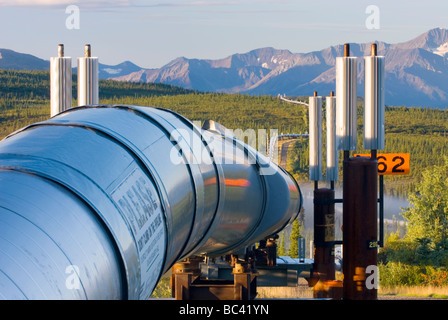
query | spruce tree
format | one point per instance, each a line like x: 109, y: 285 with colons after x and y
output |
x: 294, y: 239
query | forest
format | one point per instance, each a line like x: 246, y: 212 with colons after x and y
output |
x: 421, y: 132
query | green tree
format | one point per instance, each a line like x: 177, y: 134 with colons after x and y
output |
x: 281, y: 251
x: 428, y: 212
x: 294, y: 239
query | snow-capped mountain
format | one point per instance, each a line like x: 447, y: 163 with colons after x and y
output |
x: 416, y: 70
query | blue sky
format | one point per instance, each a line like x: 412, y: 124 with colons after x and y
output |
x: 152, y: 33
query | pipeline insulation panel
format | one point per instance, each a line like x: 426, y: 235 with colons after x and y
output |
x: 374, y: 109
x: 315, y: 123
x: 100, y: 201
x: 88, y: 92
x: 346, y: 103
x: 60, y: 84
x: 332, y: 163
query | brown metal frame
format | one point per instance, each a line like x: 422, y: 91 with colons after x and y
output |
x: 186, y: 283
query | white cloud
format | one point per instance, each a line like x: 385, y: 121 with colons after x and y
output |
x: 59, y: 3
x: 117, y: 3
x: 183, y: 3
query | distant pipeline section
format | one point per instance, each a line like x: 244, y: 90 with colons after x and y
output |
x: 100, y: 201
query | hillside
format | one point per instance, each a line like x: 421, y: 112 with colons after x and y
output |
x: 422, y: 132
x: 21, y: 84
x: 25, y: 96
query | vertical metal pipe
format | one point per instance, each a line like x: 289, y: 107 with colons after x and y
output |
x: 315, y: 123
x: 374, y: 110
x: 346, y: 101
x: 332, y: 164
x: 360, y: 226
x: 87, y: 51
x: 60, y: 50
x: 381, y: 217
x: 373, y: 50
x: 346, y: 50
x: 374, y: 113
x: 88, y: 87
x: 60, y: 82
x: 323, y: 239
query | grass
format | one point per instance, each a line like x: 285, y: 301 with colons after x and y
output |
x: 163, y: 288
x: 303, y: 291
x: 415, y: 291
x: 299, y: 292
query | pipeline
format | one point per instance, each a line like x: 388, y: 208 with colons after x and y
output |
x: 100, y: 201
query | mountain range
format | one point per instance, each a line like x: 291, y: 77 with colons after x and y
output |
x: 416, y: 70
x: 10, y: 59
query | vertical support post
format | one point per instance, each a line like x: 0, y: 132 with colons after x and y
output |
x: 374, y: 132
x: 360, y: 206
x: 60, y: 82
x: 302, y: 249
x: 183, y: 274
x: 374, y: 96
x: 381, y: 217
x: 88, y: 87
x: 243, y: 290
x: 346, y: 102
x: 315, y: 138
x: 323, y: 240
x: 332, y: 164
x: 271, y: 250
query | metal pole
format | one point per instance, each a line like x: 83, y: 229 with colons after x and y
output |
x: 60, y: 82
x: 346, y: 50
x: 87, y: 51
x: 60, y: 50
x: 88, y: 87
x: 373, y: 50
x: 315, y: 152
x: 323, y: 240
x: 360, y: 206
x: 346, y: 54
x: 374, y: 53
x: 332, y: 164
x: 381, y: 236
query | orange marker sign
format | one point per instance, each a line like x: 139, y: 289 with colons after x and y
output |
x: 391, y: 163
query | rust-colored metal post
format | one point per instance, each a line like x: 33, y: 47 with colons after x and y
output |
x: 323, y: 240
x: 245, y: 282
x: 359, y: 226
x: 183, y: 274
x: 346, y: 50
x: 373, y: 50
x: 60, y: 50
x: 87, y: 51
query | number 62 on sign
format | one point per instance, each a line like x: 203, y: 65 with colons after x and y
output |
x: 391, y: 163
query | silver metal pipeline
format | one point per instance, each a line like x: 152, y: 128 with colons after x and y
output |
x: 100, y: 201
